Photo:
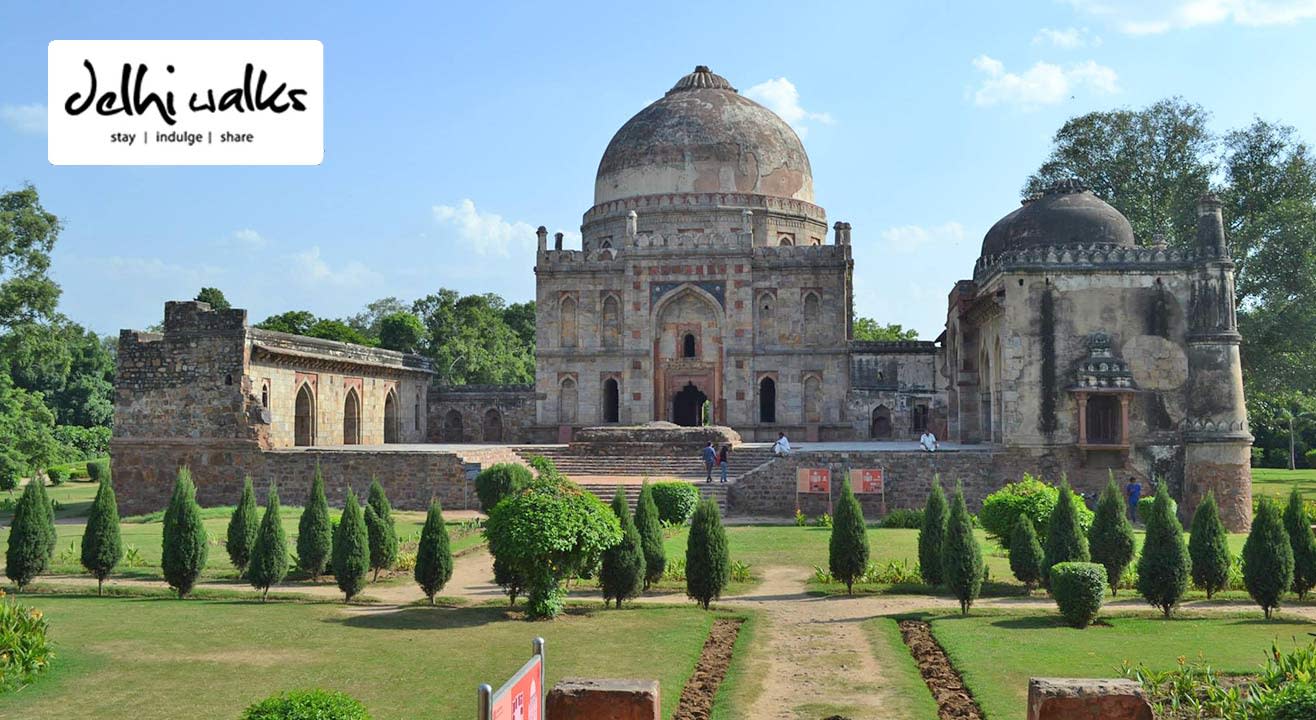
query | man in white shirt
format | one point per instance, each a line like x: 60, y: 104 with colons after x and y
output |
x: 928, y: 441
x: 782, y: 446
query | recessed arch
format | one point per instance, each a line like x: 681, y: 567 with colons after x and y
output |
x: 304, y: 417
x: 352, y: 418
x: 493, y: 426
x: 452, y: 426
x: 689, y: 347
x: 879, y: 426
x: 567, y: 321
x: 611, y: 401
x: 392, y: 421
x: 568, y: 401
x: 610, y: 319
x: 767, y: 400
x: 813, y: 400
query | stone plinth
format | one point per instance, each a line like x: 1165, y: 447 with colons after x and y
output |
x: 582, y: 699
x: 1086, y: 699
x: 651, y: 437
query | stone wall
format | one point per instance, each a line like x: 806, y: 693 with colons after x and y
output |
x: 144, y: 473
x: 482, y: 414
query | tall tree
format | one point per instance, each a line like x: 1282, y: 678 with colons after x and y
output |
x: 351, y: 549
x: 961, y: 556
x: 470, y: 341
x: 707, y: 559
x: 931, y: 534
x: 847, y: 549
x: 1110, y: 540
x: 401, y: 331
x: 269, y: 557
x: 1298, y: 527
x: 26, y: 556
x: 650, y: 528
x: 1208, y: 548
x: 622, y: 573
x: 185, y: 542
x: 1164, y: 566
x: 214, y: 297
x: 315, y: 531
x: 433, y: 554
x: 1065, y: 541
x: 293, y: 322
x: 27, y: 235
x: 243, y: 526
x: 1267, y: 557
x: 102, y: 548
x: 381, y: 531
x: 866, y: 328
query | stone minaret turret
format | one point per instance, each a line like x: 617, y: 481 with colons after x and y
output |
x: 542, y: 234
x: 1217, y: 444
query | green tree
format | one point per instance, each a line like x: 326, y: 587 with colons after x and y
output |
x: 520, y: 317
x: 498, y: 481
x: 1111, y: 541
x: 1026, y: 554
x: 867, y: 329
x: 650, y: 528
x: 401, y: 331
x: 1164, y: 566
x: 847, y: 549
x: 214, y: 297
x: 1208, y: 548
x: 243, y: 525
x: 548, y: 531
x: 369, y: 322
x: 47, y: 510
x: 932, y: 534
x: 27, y: 439
x: 1267, y: 557
x: 26, y: 555
x: 338, y: 331
x: 1065, y: 541
x: 185, y: 542
x: 315, y: 531
x: 382, y: 533
x: 1298, y: 528
x: 622, y: 574
x: 293, y: 322
x: 101, y: 547
x: 470, y: 341
x: 351, y: 557
x: 269, y: 558
x: 27, y: 235
x: 961, y: 558
x: 509, y: 579
x: 707, y: 557
x: 433, y: 554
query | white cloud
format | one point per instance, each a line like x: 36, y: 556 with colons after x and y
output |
x: 310, y: 269
x: 29, y: 119
x: 246, y: 239
x: 781, y: 96
x: 489, y: 233
x: 915, y: 238
x: 1149, y: 17
x: 1042, y: 84
x: 1067, y: 39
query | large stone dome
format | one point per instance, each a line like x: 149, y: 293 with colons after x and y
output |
x: 1067, y: 213
x: 704, y: 137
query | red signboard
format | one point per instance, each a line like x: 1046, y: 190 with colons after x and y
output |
x: 813, y: 480
x: 868, y: 480
x: 519, y: 699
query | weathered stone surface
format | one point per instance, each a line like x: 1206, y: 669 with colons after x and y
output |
x: 582, y: 699
x: 1082, y: 699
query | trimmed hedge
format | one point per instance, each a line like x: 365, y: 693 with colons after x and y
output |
x: 1078, y: 588
x: 904, y: 519
x: 1145, y: 505
x: 307, y: 705
x: 676, y: 500
x: 1030, y: 498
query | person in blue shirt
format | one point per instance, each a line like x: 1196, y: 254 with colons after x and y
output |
x: 724, y: 459
x: 710, y: 457
x: 1133, y: 491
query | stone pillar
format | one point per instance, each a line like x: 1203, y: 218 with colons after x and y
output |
x: 542, y: 234
x: 632, y: 225
x: 1217, y: 444
x: 557, y: 241
x: 580, y: 699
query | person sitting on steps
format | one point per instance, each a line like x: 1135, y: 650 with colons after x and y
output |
x: 782, y: 446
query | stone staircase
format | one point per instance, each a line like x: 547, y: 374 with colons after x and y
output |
x: 604, y: 491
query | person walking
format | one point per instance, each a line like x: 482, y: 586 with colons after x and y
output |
x: 724, y: 459
x: 710, y: 457
x: 1133, y: 491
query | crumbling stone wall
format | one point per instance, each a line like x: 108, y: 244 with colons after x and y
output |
x: 482, y: 414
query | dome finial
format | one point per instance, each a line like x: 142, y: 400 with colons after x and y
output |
x: 700, y: 79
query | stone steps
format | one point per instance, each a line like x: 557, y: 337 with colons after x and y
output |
x: 605, y: 491
x: 583, y: 466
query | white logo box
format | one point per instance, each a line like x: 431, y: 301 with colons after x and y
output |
x: 245, y: 126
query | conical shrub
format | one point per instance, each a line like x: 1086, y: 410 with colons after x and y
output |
x: 1111, y: 540
x: 622, y: 573
x: 242, y: 528
x: 26, y: 556
x: 315, y: 531
x: 1267, y: 557
x: 1303, y: 543
x: 185, y: 543
x: 847, y: 550
x: 269, y: 557
x: 47, y: 509
x: 382, y: 534
x: 931, y: 534
x: 351, y: 556
x: 650, y: 528
x: 1208, y: 548
x: 1026, y: 553
x: 961, y: 558
x: 707, y: 558
x: 101, y: 547
x: 1064, y: 536
x: 434, y: 554
x: 1164, y: 567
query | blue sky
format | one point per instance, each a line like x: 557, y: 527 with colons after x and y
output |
x: 453, y: 129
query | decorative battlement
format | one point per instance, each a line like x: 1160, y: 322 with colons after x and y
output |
x: 1205, y: 428
x: 190, y: 317
x: 1077, y: 257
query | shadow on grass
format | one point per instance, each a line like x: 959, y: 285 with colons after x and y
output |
x: 426, y: 618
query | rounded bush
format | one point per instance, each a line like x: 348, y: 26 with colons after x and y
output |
x: 58, y: 476
x: 1145, y: 506
x: 307, y: 705
x: 98, y: 470
x: 1029, y: 498
x: 1078, y: 588
x: 498, y: 481
x: 904, y: 519
x: 676, y: 500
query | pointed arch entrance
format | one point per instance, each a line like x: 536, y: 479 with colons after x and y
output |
x: 304, y: 423
x: 392, y: 423
x: 688, y: 354
x: 688, y: 406
x: 352, y: 418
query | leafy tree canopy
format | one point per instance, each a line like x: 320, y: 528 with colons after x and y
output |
x: 868, y: 329
x: 214, y: 297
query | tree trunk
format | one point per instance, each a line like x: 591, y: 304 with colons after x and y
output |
x: 1292, y: 465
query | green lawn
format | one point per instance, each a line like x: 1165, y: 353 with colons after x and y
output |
x: 155, y: 658
x: 912, y: 699
x: 1278, y: 483
x: 997, y: 654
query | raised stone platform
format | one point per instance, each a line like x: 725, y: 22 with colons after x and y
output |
x: 652, y: 437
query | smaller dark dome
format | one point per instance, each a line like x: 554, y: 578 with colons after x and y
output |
x: 1066, y: 213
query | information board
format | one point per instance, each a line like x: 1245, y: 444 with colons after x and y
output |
x: 813, y: 480
x: 868, y: 480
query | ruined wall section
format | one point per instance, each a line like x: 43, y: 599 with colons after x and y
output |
x: 482, y: 414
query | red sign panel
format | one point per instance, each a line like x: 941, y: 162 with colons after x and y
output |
x: 519, y: 699
x: 868, y: 480
x: 813, y: 480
